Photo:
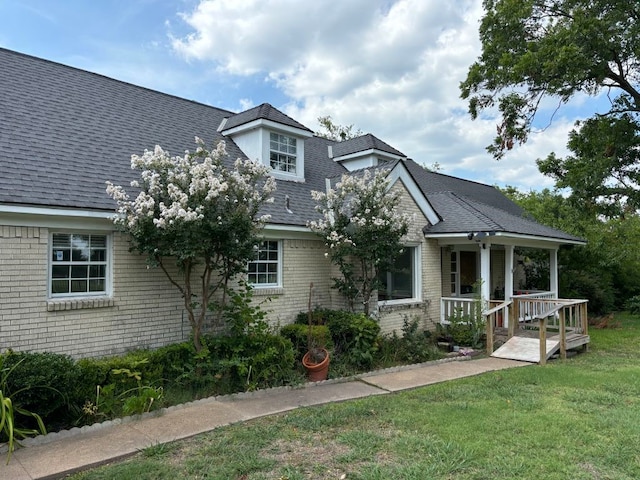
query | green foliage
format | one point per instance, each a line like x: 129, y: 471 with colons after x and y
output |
x: 44, y: 382
x: 338, y: 133
x: 362, y: 227
x: 633, y: 305
x: 606, y: 270
x: 12, y: 414
x: 414, y: 346
x: 299, y: 337
x: 537, y: 50
x: 354, y: 335
x: 120, y: 398
x: 198, y: 213
x: 467, y: 330
x: 249, y: 362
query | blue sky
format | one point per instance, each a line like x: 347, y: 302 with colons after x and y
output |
x: 390, y: 68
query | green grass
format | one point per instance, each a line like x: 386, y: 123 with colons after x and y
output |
x: 577, y: 419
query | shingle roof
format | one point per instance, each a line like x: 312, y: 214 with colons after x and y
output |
x: 264, y: 111
x: 465, y: 206
x: 65, y: 131
x: 361, y: 144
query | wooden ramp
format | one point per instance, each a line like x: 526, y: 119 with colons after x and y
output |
x: 526, y: 349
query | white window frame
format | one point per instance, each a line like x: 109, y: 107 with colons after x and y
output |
x: 278, y: 262
x: 281, y: 150
x: 416, y: 280
x: 108, y: 263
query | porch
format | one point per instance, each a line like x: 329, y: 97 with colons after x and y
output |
x: 535, y: 325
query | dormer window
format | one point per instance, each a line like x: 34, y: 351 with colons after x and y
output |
x: 266, y: 134
x: 283, y: 153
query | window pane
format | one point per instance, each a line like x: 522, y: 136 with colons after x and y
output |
x: 61, y: 240
x: 79, y: 271
x: 60, y: 271
x: 61, y: 255
x: 98, y: 241
x: 97, y: 271
x: 59, y: 286
x: 78, y: 286
x: 98, y: 255
x: 97, y: 285
x: 398, y: 284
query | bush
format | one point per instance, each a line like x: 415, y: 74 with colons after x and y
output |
x: 414, y: 346
x: 43, y: 383
x: 633, y: 305
x: 249, y: 362
x: 299, y: 337
x: 355, y: 336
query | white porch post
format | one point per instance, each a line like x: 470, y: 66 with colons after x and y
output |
x: 508, y: 277
x: 508, y: 271
x: 485, y: 273
x: 553, y: 271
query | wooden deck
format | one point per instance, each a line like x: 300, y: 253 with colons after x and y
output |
x: 527, y: 348
x: 559, y: 325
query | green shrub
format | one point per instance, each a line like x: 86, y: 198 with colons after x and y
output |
x: 44, y: 383
x: 633, y: 305
x: 414, y: 346
x: 466, y: 330
x: 354, y: 335
x: 299, y: 337
x: 249, y: 362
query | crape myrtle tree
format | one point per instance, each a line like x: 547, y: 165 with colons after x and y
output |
x: 539, y: 51
x: 198, y: 214
x: 362, y: 227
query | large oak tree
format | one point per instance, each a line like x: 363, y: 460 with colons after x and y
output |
x: 541, y: 50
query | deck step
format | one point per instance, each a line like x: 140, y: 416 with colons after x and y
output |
x: 525, y: 349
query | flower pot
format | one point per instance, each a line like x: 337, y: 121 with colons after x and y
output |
x: 316, y: 371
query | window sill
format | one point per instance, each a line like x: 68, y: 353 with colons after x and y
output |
x: 60, y: 304
x: 391, y: 306
x: 267, y: 291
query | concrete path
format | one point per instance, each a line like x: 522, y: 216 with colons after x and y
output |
x: 55, y: 455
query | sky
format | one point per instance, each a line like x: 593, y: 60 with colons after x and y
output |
x: 388, y: 67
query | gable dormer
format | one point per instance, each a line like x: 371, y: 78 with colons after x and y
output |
x: 266, y: 134
x: 364, y: 152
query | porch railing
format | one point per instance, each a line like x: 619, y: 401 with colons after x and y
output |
x: 567, y: 317
x: 452, y: 306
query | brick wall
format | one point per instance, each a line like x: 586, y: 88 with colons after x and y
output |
x: 428, y: 310
x: 144, y: 311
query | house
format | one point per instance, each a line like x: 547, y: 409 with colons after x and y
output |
x: 69, y: 284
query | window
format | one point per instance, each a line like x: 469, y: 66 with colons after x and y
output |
x: 265, y: 270
x: 78, y: 264
x: 282, y: 153
x: 403, y: 283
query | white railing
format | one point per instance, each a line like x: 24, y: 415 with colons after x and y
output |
x: 450, y: 306
x: 532, y: 304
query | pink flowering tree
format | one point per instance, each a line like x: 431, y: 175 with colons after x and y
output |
x: 195, y: 213
x: 362, y: 227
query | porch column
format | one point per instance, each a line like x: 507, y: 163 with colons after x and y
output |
x: 553, y: 271
x: 508, y: 272
x: 485, y: 273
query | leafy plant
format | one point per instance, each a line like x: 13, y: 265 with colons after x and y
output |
x: 633, y: 305
x: 10, y: 428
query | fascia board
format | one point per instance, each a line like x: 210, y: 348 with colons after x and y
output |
x: 399, y: 172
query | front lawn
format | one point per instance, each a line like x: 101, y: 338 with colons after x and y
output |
x: 577, y: 419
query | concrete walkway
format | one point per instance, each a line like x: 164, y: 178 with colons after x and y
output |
x: 55, y: 455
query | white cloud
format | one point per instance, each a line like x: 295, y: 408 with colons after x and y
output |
x: 389, y: 68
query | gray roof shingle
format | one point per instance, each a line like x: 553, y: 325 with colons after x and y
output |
x: 361, y: 144
x: 264, y: 111
x: 65, y: 131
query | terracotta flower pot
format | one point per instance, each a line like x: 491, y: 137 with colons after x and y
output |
x: 316, y: 371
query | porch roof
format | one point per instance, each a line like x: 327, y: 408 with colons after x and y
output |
x: 462, y: 215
